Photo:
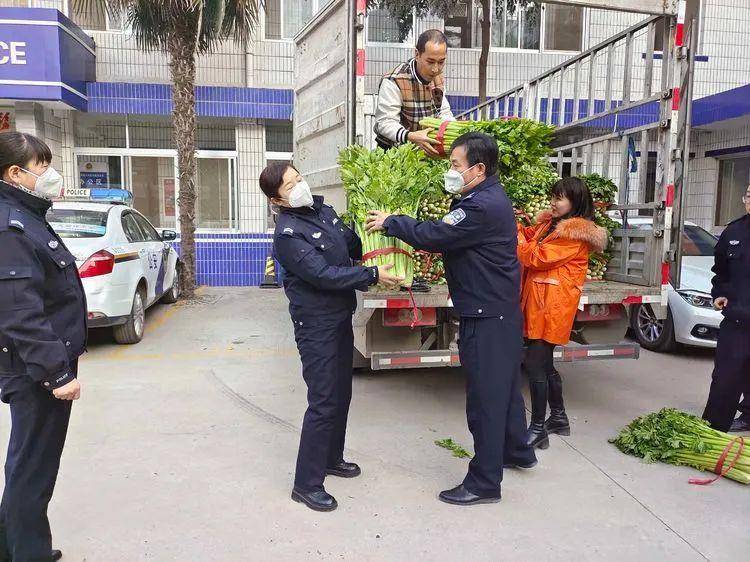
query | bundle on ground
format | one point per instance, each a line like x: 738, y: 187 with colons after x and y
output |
x: 394, y: 181
x: 678, y: 438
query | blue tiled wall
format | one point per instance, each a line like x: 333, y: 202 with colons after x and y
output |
x: 230, y: 260
x: 210, y: 101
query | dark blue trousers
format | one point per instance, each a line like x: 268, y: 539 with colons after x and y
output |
x: 731, y: 376
x: 326, y: 346
x: 490, y: 351
x: 39, y: 424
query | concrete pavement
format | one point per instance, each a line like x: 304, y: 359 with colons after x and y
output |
x: 183, y: 447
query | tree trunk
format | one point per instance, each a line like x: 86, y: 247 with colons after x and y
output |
x: 484, y: 55
x: 182, y: 66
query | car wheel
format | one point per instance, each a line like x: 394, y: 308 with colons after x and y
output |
x: 174, y: 292
x: 132, y: 331
x: 653, y: 334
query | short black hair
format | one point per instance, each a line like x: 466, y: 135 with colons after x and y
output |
x: 18, y: 149
x: 431, y: 36
x: 272, y: 178
x: 577, y: 192
x: 480, y: 148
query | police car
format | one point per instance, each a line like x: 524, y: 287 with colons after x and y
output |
x: 125, y: 264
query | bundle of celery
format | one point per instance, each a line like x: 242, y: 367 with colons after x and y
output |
x: 678, y: 438
x: 520, y: 141
x: 603, y: 191
x: 395, y: 182
x: 530, y: 187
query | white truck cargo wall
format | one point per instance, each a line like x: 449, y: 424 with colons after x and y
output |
x: 324, y: 91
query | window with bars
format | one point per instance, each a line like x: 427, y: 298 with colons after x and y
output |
x: 514, y: 25
x: 97, y: 18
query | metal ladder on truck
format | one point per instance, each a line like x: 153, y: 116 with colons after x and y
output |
x: 598, y: 125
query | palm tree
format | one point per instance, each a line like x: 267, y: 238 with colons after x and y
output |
x: 184, y: 29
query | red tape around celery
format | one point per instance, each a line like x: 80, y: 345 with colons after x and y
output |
x: 440, y: 137
x: 384, y: 252
x: 414, y: 309
x: 719, y: 469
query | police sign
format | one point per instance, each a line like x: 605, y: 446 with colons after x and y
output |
x: 13, y: 52
x: 44, y: 57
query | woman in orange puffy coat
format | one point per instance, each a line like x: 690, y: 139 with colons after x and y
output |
x: 555, y: 254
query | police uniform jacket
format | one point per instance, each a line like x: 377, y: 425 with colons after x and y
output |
x: 478, y: 240
x: 732, y: 269
x: 42, y: 302
x: 316, y: 250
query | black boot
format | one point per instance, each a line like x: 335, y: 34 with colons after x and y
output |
x: 537, y: 433
x: 558, y: 419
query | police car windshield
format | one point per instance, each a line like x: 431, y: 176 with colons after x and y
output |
x: 77, y: 223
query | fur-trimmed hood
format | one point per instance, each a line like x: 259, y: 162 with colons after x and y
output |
x: 580, y: 229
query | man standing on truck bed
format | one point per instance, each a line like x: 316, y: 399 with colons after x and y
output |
x: 478, y: 240
x: 411, y: 92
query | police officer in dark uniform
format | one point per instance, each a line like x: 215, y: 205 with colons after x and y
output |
x: 731, y: 293
x: 478, y: 239
x: 42, y: 334
x: 316, y: 249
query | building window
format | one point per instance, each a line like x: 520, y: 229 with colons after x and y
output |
x: 153, y: 187
x: 217, y: 195
x: 515, y: 26
x: 463, y: 24
x: 384, y: 27
x: 97, y: 18
x: 563, y: 28
x: 100, y: 171
x: 284, y: 18
x: 279, y: 136
x: 734, y: 179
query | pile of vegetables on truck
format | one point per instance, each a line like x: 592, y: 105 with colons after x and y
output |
x: 406, y: 181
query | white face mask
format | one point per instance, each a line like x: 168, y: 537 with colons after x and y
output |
x: 454, y: 181
x: 49, y: 184
x: 300, y: 195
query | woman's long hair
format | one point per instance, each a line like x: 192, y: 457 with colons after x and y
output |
x: 575, y: 191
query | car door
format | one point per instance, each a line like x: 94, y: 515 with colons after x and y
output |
x: 158, y: 255
x: 137, y: 243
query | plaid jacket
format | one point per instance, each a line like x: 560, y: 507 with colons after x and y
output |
x: 419, y: 100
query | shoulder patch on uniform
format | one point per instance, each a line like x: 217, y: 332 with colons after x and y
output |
x: 335, y: 220
x: 734, y: 242
x: 287, y: 230
x: 15, y: 223
x: 454, y: 217
x: 317, y: 235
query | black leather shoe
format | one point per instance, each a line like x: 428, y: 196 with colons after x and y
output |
x: 740, y: 425
x: 344, y: 470
x: 461, y: 496
x: 317, y: 501
x: 56, y: 555
x: 522, y: 466
x: 557, y: 422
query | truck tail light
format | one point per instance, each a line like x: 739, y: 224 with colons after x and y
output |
x: 100, y: 263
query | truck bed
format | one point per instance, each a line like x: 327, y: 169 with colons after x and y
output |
x: 594, y: 292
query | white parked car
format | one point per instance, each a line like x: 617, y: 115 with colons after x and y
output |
x: 124, y: 263
x: 691, y: 319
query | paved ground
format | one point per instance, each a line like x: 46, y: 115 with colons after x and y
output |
x: 182, y: 448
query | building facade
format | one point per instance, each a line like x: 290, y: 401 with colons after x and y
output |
x: 80, y: 82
